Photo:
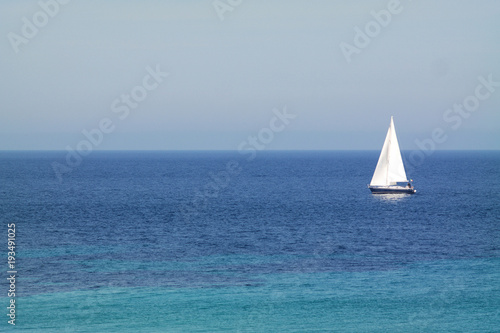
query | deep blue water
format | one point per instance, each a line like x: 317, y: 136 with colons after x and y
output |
x: 287, y: 242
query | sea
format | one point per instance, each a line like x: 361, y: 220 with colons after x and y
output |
x: 276, y: 241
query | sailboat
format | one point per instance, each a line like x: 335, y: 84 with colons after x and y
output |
x: 390, y: 175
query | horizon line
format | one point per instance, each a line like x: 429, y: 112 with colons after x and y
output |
x: 225, y: 150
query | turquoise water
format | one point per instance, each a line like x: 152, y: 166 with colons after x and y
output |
x: 294, y: 243
x: 438, y: 296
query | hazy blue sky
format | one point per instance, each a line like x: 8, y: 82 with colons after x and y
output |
x: 226, y: 76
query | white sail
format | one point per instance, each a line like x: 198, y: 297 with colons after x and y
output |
x: 390, y: 168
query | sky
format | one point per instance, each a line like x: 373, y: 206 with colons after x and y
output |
x: 205, y: 74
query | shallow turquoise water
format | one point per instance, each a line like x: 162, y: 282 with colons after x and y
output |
x: 439, y: 296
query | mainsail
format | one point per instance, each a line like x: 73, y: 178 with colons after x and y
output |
x: 390, y: 169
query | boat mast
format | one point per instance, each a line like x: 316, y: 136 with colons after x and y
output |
x: 389, y: 153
